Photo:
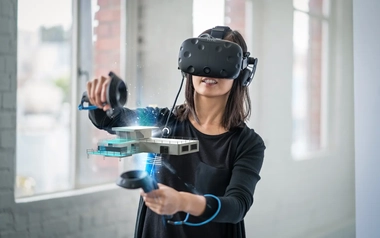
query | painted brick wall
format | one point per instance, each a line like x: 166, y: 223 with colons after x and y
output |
x: 8, y: 23
x: 235, y: 15
x: 108, y: 213
x: 107, y: 47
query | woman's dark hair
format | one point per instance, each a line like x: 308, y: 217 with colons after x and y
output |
x: 238, y: 107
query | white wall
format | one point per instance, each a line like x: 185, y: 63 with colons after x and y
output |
x: 315, y: 197
x: 165, y: 24
x: 367, y: 117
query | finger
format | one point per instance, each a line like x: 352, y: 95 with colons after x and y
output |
x: 106, y: 107
x: 105, y: 82
x: 91, y: 90
x: 150, y: 197
x: 97, y: 94
x: 159, y: 209
x: 153, y: 207
x: 154, y: 194
x: 160, y: 185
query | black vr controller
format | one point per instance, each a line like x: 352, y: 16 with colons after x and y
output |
x: 117, y: 95
x: 134, y: 179
x: 137, y: 179
x: 211, y: 56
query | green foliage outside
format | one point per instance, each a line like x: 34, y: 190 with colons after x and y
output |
x: 64, y: 84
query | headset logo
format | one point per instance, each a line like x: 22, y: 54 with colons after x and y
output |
x: 207, y: 37
x: 210, y: 39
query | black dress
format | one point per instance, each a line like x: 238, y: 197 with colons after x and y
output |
x: 227, y: 166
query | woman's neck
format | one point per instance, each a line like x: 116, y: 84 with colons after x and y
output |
x: 210, y: 113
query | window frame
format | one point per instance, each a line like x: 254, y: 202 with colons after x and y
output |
x: 326, y: 21
x: 76, y: 89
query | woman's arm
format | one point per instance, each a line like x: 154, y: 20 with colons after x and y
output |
x: 97, y: 95
x: 167, y: 201
x: 236, y: 201
x: 238, y: 197
x: 148, y: 116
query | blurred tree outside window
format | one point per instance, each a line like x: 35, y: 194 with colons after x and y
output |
x: 43, y: 105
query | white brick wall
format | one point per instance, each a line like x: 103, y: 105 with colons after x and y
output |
x: 7, y: 113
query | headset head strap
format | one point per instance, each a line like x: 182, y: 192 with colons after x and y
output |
x: 219, y: 31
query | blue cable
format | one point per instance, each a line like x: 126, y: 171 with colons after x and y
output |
x: 184, y: 222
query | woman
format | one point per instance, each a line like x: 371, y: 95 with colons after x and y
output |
x: 208, y: 193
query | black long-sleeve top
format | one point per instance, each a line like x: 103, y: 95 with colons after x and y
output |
x: 227, y: 166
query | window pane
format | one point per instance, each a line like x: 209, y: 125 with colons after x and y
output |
x: 43, y: 106
x: 202, y: 19
x: 309, y: 42
x: 232, y: 13
x: 317, y: 7
x: 236, y: 13
x: 99, y: 54
x: 302, y: 5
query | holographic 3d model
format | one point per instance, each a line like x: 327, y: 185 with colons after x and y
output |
x: 137, y: 139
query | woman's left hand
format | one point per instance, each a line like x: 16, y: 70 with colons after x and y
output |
x: 163, y: 201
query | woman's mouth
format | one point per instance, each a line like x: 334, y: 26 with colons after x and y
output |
x: 209, y: 81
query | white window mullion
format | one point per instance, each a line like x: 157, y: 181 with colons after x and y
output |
x: 74, y: 94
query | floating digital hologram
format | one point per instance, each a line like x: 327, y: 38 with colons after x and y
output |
x: 137, y: 139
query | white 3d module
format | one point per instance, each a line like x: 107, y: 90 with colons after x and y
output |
x: 137, y: 139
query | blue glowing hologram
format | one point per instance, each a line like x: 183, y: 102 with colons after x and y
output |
x: 137, y: 139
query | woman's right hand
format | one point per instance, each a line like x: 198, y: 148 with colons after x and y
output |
x: 97, y: 92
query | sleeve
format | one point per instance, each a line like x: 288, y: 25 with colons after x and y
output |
x: 238, y: 197
x: 148, y: 116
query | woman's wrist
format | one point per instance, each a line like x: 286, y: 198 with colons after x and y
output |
x: 192, y: 203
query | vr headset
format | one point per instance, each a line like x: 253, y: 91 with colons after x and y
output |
x: 211, y: 56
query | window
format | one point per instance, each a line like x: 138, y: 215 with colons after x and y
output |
x: 202, y: 19
x: 233, y: 13
x: 99, y: 52
x: 43, y: 102
x: 56, y: 57
x: 310, y: 47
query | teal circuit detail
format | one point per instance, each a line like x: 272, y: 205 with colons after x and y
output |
x: 109, y: 153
